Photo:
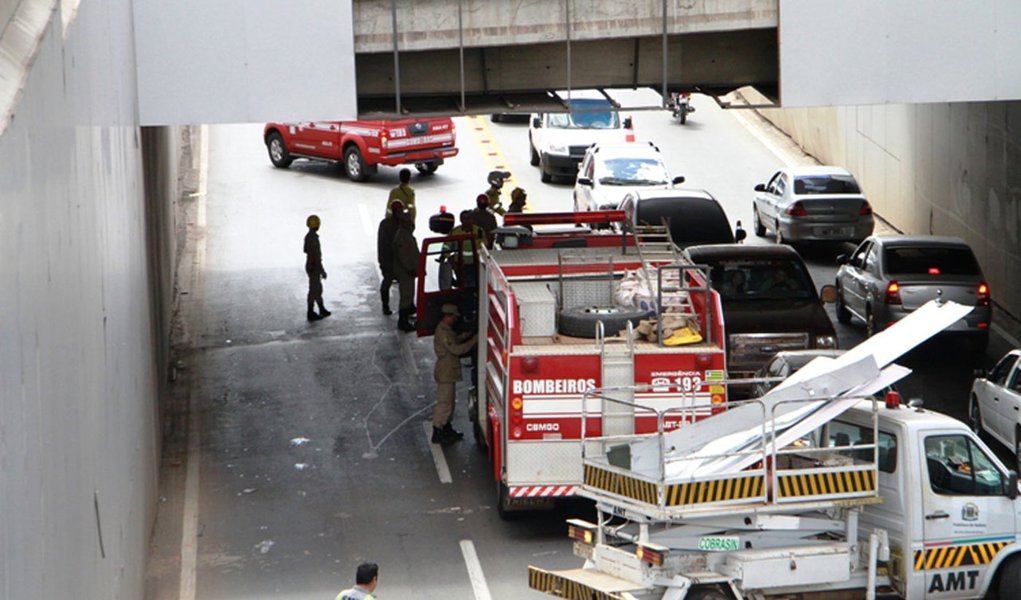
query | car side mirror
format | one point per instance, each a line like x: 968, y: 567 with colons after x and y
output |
x: 628, y: 124
x: 537, y: 122
x: 585, y: 181
x: 1012, y: 484
x: 828, y: 294
x: 678, y: 179
x: 760, y: 188
x: 739, y: 233
x: 841, y: 259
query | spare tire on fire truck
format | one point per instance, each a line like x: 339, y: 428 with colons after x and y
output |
x: 580, y: 321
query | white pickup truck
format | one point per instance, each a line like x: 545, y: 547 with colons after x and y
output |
x: 557, y: 141
x: 826, y: 495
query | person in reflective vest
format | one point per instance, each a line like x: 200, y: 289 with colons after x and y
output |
x: 366, y: 579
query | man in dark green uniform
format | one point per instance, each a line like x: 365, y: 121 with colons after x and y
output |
x: 314, y: 270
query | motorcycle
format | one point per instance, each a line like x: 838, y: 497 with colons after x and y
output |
x: 680, y: 106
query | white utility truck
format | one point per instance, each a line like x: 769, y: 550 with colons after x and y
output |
x: 815, y: 490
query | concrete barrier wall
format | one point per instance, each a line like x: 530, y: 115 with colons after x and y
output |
x: 946, y: 169
x: 80, y: 328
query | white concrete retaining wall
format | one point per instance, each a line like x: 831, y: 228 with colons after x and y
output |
x: 79, y: 438
x: 947, y: 169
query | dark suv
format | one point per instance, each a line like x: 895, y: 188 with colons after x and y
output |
x: 769, y: 302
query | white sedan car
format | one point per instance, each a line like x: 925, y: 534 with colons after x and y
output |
x: 609, y: 171
x: 996, y: 402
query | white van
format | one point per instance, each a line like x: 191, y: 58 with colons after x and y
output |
x: 557, y: 141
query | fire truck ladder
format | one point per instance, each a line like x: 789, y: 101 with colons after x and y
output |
x: 655, y: 245
x: 617, y: 361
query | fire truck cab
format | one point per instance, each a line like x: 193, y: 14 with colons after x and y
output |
x: 562, y: 309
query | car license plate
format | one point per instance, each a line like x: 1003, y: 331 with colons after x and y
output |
x: 719, y: 543
x: 842, y: 232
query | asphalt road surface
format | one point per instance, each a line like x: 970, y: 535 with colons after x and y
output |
x: 307, y: 452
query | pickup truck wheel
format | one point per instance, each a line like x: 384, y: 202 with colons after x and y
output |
x: 843, y: 315
x: 760, y: 229
x: 278, y: 154
x: 427, y: 168
x: 534, y: 156
x: 354, y: 164
x: 1010, y: 578
x: 581, y: 321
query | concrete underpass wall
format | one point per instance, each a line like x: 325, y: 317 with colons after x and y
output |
x: 84, y: 266
x: 946, y: 169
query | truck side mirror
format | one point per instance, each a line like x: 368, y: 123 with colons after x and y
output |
x: 678, y: 179
x: 628, y: 124
x: 537, y: 122
x: 841, y: 259
x: 585, y: 181
x: 760, y: 188
x: 1012, y: 484
x: 828, y: 293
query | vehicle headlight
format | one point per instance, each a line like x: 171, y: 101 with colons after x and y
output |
x: 558, y: 148
x: 825, y: 341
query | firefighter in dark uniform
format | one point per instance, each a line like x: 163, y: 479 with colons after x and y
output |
x: 449, y: 346
x: 314, y: 270
x: 403, y: 193
x: 484, y: 218
x: 405, y: 270
x: 385, y: 251
x: 495, y: 180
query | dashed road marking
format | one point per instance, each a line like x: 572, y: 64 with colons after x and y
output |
x: 493, y: 156
x: 439, y: 460
x: 475, y: 574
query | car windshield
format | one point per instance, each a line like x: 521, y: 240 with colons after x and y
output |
x: 767, y: 279
x: 692, y: 220
x: 633, y: 171
x: 825, y: 184
x: 932, y: 260
x: 586, y: 114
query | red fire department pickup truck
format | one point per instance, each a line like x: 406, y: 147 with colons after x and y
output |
x: 552, y: 326
x: 363, y: 145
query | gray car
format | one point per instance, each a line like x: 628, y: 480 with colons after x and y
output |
x: 801, y: 204
x: 887, y: 277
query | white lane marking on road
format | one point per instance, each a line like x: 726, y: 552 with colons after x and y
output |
x: 190, y: 524
x: 366, y: 220
x: 407, y: 354
x: 441, y: 461
x: 475, y: 574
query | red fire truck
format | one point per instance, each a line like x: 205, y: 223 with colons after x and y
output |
x: 552, y: 326
x: 363, y: 145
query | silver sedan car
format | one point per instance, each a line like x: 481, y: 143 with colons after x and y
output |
x: 812, y: 204
x: 888, y: 276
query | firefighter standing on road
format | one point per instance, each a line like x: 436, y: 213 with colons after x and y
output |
x: 406, y: 269
x: 403, y: 193
x: 449, y: 347
x: 366, y: 579
x: 385, y: 251
x: 314, y: 270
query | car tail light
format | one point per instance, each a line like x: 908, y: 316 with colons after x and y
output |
x: 933, y: 270
x: 893, y: 293
x: 983, y: 293
x: 652, y: 554
x: 866, y: 209
x: 796, y: 210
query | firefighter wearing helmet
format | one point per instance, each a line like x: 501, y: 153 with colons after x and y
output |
x: 314, y: 270
x: 496, y: 179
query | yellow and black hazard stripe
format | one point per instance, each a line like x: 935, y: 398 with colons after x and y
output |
x: 826, y: 484
x: 958, y: 555
x: 621, y: 485
x: 562, y: 587
x: 717, y: 490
